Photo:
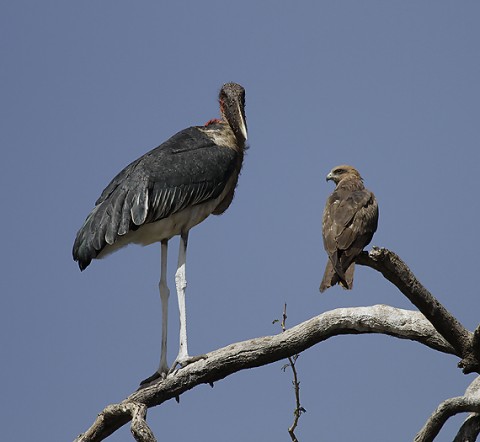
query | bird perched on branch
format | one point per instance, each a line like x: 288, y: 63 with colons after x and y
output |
x: 350, y: 219
x: 165, y: 193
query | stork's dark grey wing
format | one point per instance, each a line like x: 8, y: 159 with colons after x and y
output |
x: 186, y: 170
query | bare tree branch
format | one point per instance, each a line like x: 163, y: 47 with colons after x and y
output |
x: 433, y: 326
x: 220, y: 363
x: 469, y: 402
x: 445, y: 410
x: 139, y: 428
x: 470, y: 429
x: 118, y: 415
x: 397, y: 272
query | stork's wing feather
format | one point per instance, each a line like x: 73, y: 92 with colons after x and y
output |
x: 186, y: 170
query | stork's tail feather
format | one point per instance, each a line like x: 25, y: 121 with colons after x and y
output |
x: 81, y: 255
x: 124, y: 210
x: 84, y: 249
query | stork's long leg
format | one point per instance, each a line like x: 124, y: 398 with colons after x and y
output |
x: 181, y: 285
x: 183, y: 358
x: 164, y: 295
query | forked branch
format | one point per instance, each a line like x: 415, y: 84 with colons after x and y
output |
x: 220, y: 363
x: 469, y: 402
x: 434, y: 327
x: 445, y: 410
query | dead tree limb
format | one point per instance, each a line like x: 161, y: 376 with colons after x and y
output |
x: 444, y: 411
x: 117, y: 415
x: 470, y: 429
x: 469, y: 402
x: 220, y: 363
x: 433, y: 326
x: 466, y: 344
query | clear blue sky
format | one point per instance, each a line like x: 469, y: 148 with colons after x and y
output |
x: 86, y: 87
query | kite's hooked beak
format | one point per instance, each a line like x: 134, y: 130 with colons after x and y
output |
x: 329, y: 177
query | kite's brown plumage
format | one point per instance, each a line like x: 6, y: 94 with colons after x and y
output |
x: 349, y: 221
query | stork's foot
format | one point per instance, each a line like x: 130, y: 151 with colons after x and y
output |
x: 183, y: 362
x: 153, y: 378
x: 177, y: 365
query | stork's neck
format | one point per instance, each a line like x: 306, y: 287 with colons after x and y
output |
x: 213, y: 121
x: 222, y: 135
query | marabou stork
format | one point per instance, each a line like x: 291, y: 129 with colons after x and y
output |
x: 165, y: 193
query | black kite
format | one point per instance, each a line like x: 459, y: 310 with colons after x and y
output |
x: 349, y: 221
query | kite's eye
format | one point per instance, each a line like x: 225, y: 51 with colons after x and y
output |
x: 338, y: 171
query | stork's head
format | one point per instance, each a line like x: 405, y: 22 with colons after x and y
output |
x: 339, y: 173
x: 232, y: 108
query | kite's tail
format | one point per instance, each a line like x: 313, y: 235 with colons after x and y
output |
x: 331, y: 277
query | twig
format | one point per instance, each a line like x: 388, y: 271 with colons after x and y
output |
x: 296, y: 384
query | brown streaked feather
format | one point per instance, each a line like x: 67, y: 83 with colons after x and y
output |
x: 330, y: 277
x: 350, y: 219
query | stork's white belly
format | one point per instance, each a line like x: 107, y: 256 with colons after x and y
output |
x: 165, y: 228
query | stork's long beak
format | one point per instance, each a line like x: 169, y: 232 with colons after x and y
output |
x: 232, y: 100
x: 242, y: 122
x: 235, y: 115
